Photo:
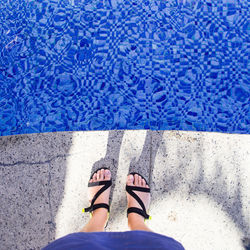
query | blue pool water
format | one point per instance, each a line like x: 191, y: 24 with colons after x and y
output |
x: 124, y: 64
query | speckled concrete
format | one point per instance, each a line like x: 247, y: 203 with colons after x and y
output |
x: 199, y: 181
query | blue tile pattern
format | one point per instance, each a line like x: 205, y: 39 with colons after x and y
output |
x: 124, y: 64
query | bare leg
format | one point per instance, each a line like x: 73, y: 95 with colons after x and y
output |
x: 100, y: 215
x: 97, y: 222
x: 136, y: 221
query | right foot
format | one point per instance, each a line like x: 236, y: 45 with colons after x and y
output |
x: 137, y: 181
x: 101, y: 175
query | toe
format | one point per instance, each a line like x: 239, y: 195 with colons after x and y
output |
x: 140, y: 180
x: 136, y: 181
x: 95, y: 177
x: 130, y: 179
x: 143, y: 183
x: 98, y: 175
x: 102, y: 174
x: 107, y: 174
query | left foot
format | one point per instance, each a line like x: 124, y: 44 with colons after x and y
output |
x: 101, y: 175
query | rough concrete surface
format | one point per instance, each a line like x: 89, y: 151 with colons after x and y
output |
x: 199, y: 182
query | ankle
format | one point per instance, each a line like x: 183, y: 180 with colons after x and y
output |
x: 136, y: 222
x: 100, y: 213
x: 135, y: 219
x: 97, y: 222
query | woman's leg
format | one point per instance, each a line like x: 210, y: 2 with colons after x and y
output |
x: 136, y: 221
x: 100, y: 215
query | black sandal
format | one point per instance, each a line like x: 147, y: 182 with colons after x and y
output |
x: 106, y: 184
x: 130, y: 190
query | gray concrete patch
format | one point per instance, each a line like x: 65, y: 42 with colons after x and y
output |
x: 29, y: 167
x: 199, y: 182
x: 25, y: 207
x: 30, y: 148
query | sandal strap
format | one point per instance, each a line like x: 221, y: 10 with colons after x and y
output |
x: 98, y: 183
x: 130, y: 189
x: 106, y: 186
x: 96, y: 206
x: 138, y: 211
x: 141, y: 189
x: 93, y: 206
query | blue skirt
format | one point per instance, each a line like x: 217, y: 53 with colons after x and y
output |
x: 115, y: 240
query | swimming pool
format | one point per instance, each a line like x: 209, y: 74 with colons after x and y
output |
x: 118, y: 64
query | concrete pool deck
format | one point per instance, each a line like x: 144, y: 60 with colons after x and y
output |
x: 200, y: 184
